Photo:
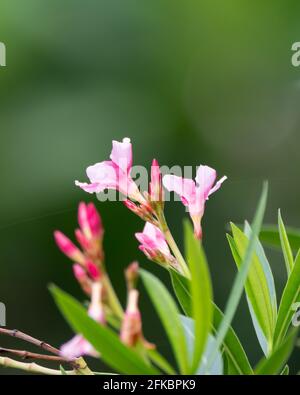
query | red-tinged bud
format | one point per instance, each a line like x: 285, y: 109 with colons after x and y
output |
x: 156, y: 189
x: 82, y: 278
x: 131, y: 329
x: 131, y: 274
x: 68, y: 248
x: 144, y: 210
x: 79, y: 272
x: 82, y: 240
x: 131, y: 206
x: 93, y: 270
x: 84, y: 221
x: 95, y: 221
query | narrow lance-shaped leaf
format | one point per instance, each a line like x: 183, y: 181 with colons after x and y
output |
x: 231, y: 345
x: 269, y: 236
x: 217, y: 366
x: 104, y: 340
x: 285, y: 245
x: 169, y: 316
x: 237, y: 289
x: 201, y: 293
x: 290, y: 298
x: 279, y: 357
x: 285, y: 371
x: 257, y: 289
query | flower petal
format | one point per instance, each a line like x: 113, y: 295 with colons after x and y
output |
x: 76, y: 347
x: 184, y: 187
x: 121, y: 154
x: 217, y: 185
x: 205, y: 179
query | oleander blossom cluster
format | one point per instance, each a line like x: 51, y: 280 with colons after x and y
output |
x: 89, y: 270
x: 155, y: 241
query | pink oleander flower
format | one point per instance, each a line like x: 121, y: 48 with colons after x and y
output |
x: 78, y: 346
x: 194, y: 194
x: 154, y: 245
x: 114, y: 174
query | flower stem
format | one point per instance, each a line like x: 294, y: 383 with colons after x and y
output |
x: 172, y: 244
x: 113, y: 300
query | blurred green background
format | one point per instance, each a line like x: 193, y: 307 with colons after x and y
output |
x: 190, y: 82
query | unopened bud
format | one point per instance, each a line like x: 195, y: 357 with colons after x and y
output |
x: 131, y: 274
x: 82, y: 278
x: 93, y: 270
x: 68, y: 248
x: 131, y: 330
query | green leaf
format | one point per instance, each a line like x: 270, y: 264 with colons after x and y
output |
x: 181, y: 286
x: 257, y: 290
x: 269, y: 236
x: 104, y: 340
x: 273, y: 364
x: 169, y: 316
x: 266, y: 267
x: 201, y: 292
x: 290, y: 296
x: 285, y: 245
x: 231, y: 345
x: 160, y: 361
x: 285, y: 371
x: 217, y: 366
x: 237, y: 289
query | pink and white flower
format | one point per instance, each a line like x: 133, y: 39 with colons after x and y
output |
x: 194, y: 194
x: 114, y: 174
x: 154, y: 245
x: 78, y: 345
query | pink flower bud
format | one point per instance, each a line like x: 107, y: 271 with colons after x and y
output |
x: 154, y: 245
x: 131, y: 330
x: 84, y: 221
x: 82, y: 240
x: 131, y: 274
x: 95, y: 221
x: 156, y: 182
x: 93, y: 270
x: 131, y: 206
x: 79, y: 272
x: 68, y: 248
x: 82, y: 278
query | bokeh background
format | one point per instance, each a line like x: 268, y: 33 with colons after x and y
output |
x: 194, y: 81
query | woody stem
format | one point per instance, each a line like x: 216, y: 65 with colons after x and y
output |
x: 79, y: 365
x: 30, y: 367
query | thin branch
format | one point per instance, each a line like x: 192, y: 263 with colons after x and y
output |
x: 31, y: 367
x: 31, y: 355
x: 29, y: 339
x: 79, y: 365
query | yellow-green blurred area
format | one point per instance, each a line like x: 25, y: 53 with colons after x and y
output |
x: 190, y: 82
